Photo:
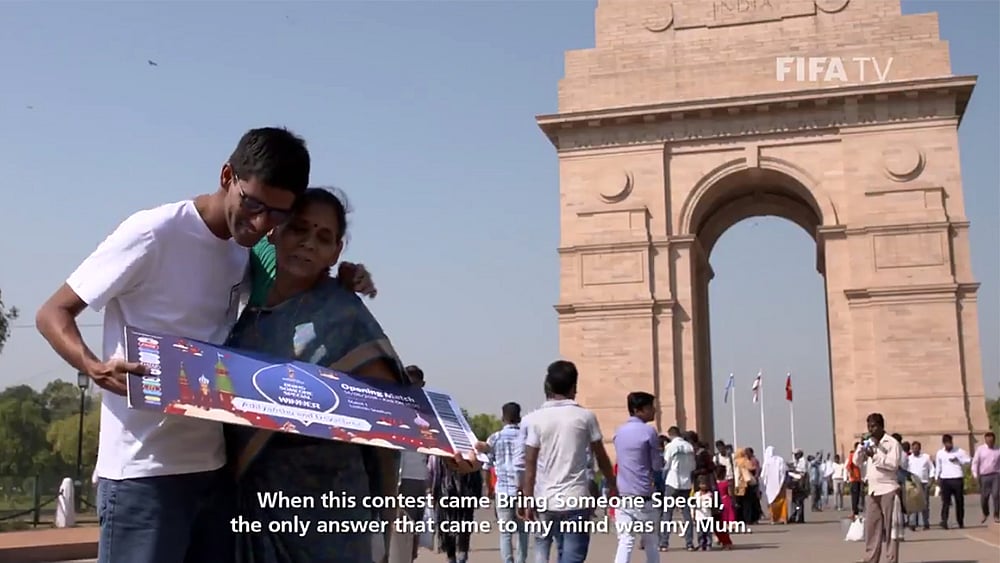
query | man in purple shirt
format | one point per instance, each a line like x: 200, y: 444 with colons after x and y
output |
x: 638, y: 449
x: 986, y: 470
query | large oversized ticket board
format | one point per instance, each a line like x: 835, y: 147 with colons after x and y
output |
x: 191, y: 378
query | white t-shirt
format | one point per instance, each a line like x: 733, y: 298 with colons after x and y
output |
x: 161, y: 270
x: 703, y: 507
x: 563, y: 432
x: 827, y: 469
x: 947, y: 469
x: 727, y: 462
x: 679, y: 461
x: 921, y: 466
x: 839, y: 472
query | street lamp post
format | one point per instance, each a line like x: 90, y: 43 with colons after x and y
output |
x: 83, y: 382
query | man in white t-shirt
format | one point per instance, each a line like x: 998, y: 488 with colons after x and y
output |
x: 949, y: 467
x: 921, y: 466
x: 678, y: 463
x: 826, y: 472
x: 178, y: 269
x: 839, y: 477
x: 559, y: 435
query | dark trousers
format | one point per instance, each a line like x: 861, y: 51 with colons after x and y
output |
x: 456, y: 545
x: 856, y: 497
x: 953, y: 490
x: 799, y: 495
x: 749, y: 506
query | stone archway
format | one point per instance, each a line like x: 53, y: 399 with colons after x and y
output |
x: 714, y: 206
x: 677, y: 124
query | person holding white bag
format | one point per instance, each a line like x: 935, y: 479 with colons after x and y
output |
x: 881, y: 454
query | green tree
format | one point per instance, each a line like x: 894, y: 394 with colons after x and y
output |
x: 7, y: 316
x: 22, y: 438
x: 485, y: 424
x: 62, y: 399
x: 63, y: 435
x: 993, y: 412
x: 20, y: 393
x: 38, y: 431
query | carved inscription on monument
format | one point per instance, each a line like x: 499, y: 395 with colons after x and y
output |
x: 719, y: 13
x: 730, y: 8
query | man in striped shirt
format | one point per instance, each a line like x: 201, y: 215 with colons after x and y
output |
x: 505, y: 449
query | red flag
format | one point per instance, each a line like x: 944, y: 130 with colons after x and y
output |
x: 788, y: 388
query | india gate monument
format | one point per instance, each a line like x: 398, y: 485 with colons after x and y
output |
x: 841, y: 116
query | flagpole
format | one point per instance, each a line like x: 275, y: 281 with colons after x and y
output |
x: 760, y: 390
x: 791, y: 416
x: 791, y: 412
x: 735, y: 441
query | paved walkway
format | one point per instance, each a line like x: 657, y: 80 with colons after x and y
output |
x: 819, y: 540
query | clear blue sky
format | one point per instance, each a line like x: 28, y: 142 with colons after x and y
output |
x: 423, y: 112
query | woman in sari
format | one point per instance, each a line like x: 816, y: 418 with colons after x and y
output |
x: 773, y: 477
x: 741, y: 478
x: 309, y: 316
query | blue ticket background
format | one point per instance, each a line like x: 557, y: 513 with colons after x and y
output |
x: 196, y: 379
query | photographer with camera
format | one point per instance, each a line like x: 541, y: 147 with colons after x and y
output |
x: 881, y: 454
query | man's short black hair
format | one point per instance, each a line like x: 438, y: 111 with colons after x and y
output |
x: 947, y: 438
x: 876, y: 418
x: 511, y: 413
x: 275, y: 157
x: 673, y: 431
x: 561, y: 377
x: 638, y: 400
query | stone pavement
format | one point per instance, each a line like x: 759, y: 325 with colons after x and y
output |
x: 820, y: 539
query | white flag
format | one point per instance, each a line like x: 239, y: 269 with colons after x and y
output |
x: 756, y: 387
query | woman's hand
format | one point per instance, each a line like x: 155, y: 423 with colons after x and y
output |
x: 464, y: 464
x: 356, y: 278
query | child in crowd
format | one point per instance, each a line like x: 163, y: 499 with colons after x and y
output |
x: 704, y: 502
x: 727, y: 513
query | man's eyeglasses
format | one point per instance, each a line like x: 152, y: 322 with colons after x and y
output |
x: 254, y: 206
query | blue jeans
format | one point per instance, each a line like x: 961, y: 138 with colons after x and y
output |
x: 571, y: 546
x: 169, y: 519
x: 507, y: 538
x: 668, y: 515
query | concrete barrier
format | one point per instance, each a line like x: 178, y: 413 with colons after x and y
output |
x: 51, y: 544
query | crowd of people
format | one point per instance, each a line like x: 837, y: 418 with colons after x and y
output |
x: 552, y: 452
